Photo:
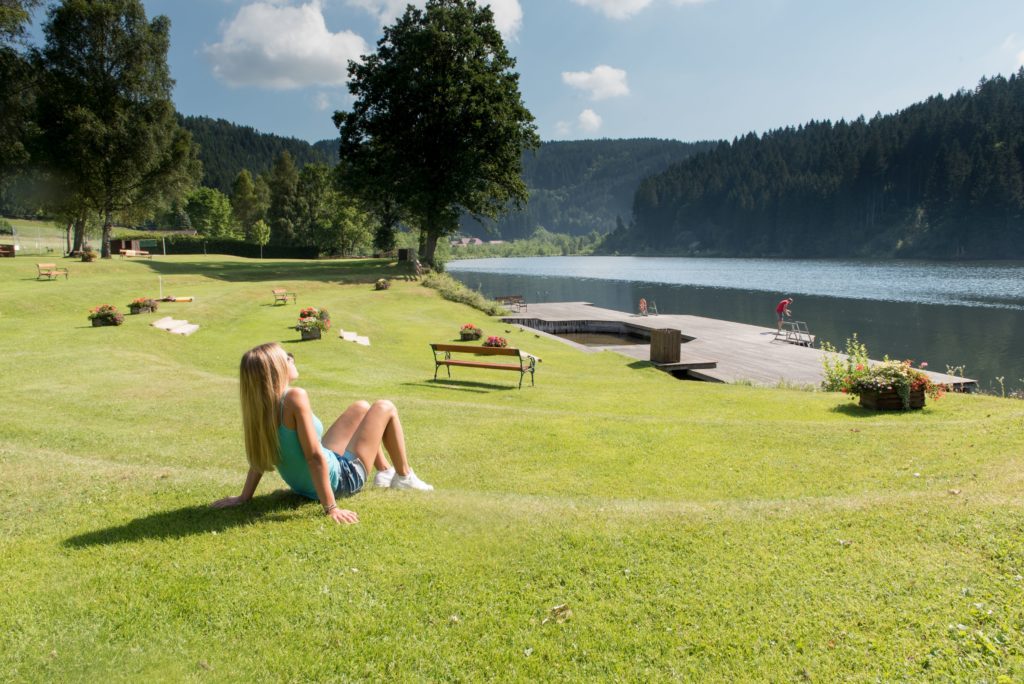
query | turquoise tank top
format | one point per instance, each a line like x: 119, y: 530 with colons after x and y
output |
x: 293, y: 467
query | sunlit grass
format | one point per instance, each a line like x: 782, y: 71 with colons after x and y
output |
x: 694, y: 531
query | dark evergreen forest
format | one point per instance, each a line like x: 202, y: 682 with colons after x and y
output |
x: 583, y: 186
x: 226, y: 148
x: 940, y: 179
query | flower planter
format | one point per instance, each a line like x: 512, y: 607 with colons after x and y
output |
x: 889, y: 400
x: 100, y: 322
x: 313, y: 334
x: 469, y: 336
x: 140, y: 309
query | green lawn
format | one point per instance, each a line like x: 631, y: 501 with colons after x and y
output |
x: 694, y: 531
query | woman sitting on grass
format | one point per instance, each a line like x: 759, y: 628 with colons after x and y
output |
x: 282, y: 432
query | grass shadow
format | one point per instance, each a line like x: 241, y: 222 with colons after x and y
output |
x: 461, y: 385
x: 858, y: 411
x: 640, y: 364
x: 191, y: 520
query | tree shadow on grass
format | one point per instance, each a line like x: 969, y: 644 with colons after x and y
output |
x: 342, y: 272
x: 192, y: 520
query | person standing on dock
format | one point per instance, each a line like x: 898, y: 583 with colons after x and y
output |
x: 781, y: 310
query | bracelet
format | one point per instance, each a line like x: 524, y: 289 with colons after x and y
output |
x: 328, y: 509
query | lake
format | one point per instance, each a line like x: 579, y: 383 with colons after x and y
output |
x: 949, y: 314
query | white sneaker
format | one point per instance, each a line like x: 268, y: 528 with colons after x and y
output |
x: 410, y: 481
x: 383, y: 478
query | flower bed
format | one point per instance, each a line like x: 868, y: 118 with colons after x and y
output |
x: 470, y: 332
x: 312, y: 322
x: 105, y: 314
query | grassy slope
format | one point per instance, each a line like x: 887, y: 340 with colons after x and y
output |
x: 696, y: 531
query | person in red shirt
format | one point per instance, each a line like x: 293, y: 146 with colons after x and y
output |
x: 781, y: 310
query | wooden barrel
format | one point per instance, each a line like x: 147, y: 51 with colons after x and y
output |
x: 665, y: 345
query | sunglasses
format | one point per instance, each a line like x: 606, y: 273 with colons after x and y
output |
x: 291, y: 357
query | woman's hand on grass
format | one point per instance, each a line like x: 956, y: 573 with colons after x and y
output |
x: 340, y: 515
x: 228, y: 502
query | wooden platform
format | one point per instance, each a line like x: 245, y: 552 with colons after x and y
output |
x: 714, y: 350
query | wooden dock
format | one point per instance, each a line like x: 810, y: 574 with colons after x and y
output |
x: 712, y: 349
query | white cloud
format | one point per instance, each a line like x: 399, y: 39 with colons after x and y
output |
x: 603, y: 82
x: 283, y: 47
x: 508, y: 17
x: 322, y: 101
x: 386, y: 11
x: 1020, y: 59
x: 563, y: 129
x: 590, y: 121
x: 624, y: 9
x: 615, y: 9
x: 508, y: 14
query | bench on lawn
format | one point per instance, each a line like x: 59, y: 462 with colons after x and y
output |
x: 51, y: 271
x: 281, y: 296
x: 135, y: 253
x: 512, y: 301
x: 524, y: 363
x: 6, y: 250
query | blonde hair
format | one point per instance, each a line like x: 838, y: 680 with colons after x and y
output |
x: 263, y: 378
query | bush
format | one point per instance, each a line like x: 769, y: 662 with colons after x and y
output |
x: 454, y: 291
x: 6, y: 228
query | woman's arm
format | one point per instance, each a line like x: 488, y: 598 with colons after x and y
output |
x: 297, y: 403
x: 252, y: 480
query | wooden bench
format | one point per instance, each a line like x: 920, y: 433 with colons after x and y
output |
x: 512, y: 301
x: 7, y: 250
x: 281, y: 296
x: 135, y: 253
x: 51, y: 271
x: 524, y: 363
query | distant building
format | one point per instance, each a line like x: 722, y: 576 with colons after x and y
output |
x: 463, y: 242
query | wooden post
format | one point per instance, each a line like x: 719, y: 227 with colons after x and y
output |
x: 665, y: 345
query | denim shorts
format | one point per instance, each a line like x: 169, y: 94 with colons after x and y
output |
x: 352, y: 476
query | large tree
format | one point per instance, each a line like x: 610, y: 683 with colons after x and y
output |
x: 282, y: 213
x: 108, y: 122
x: 438, y: 126
x: 17, y: 86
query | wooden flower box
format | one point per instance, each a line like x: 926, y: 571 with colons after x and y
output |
x: 313, y: 334
x: 890, y: 401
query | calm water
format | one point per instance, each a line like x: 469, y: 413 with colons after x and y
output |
x: 948, y: 314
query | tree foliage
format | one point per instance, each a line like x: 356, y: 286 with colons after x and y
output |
x: 108, y: 122
x: 209, y: 213
x: 438, y: 126
x: 943, y: 178
x: 283, y: 211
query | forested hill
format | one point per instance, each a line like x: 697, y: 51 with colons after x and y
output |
x: 581, y: 186
x: 940, y: 179
x: 226, y: 148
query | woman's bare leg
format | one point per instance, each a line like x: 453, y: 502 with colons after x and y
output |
x: 380, y: 424
x: 340, y: 433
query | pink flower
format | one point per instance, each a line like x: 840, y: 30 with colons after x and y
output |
x: 924, y: 364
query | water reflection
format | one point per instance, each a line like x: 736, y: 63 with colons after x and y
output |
x: 978, y: 338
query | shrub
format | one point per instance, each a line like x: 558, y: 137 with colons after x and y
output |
x: 382, y: 284
x: 855, y: 375
x: 6, y: 228
x: 454, y: 291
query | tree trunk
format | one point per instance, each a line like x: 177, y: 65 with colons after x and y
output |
x: 79, y: 240
x: 108, y: 225
x: 67, y: 237
x: 428, y: 248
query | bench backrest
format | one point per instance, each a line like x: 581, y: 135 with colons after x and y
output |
x: 280, y: 292
x: 475, y: 349
x: 46, y: 267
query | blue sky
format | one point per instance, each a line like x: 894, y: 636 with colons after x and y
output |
x: 682, y: 69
